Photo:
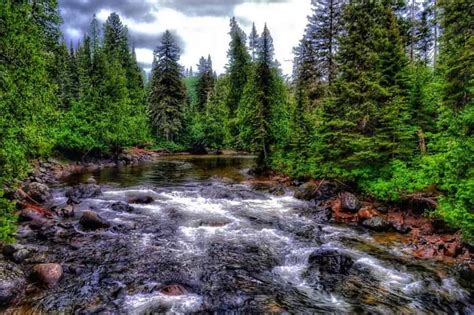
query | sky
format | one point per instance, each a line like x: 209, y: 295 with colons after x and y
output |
x: 200, y: 26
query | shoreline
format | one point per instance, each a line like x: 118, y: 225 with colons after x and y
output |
x: 428, y: 238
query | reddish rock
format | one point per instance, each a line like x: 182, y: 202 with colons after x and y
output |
x: 48, y: 274
x: 452, y: 249
x: 426, y: 252
x: 367, y: 213
x: 173, y: 290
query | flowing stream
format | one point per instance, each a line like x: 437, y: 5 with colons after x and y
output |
x: 209, y: 243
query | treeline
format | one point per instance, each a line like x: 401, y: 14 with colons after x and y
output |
x: 380, y: 98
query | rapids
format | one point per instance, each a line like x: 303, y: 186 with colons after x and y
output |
x: 209, y: 243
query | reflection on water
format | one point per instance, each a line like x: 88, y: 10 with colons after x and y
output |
x: 172, y: 169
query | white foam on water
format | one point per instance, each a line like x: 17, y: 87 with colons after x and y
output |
x: 146, y: 303
x: 388, y: 276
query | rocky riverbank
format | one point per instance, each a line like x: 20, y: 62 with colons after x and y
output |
x: 428, y: 238
x: 86, y: 247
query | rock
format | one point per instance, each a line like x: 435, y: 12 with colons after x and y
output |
x: 92, y: 221
x: 47, y: 274
x: 276, y: 190
x: 330, y: 261
x: 17, y: 252
x: 38, y: 192
x: 366, y: 213
x: 36, y: 219
x: 378, y: 224
x: 12, y: 283
x: 306, y: 191
x: 122, y: 207
x: 400, y: 227
x: 82, y: 191
x: 452, y: 249
x: 349, y: 202
x: 173, y: 290
x: 141, y: 200
x: 66, y: 211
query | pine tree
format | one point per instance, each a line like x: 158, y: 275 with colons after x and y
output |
x: 324, y: 26
x: 365, y: 124
x: 258, y: 103
x: 95, y: 34
x: 205, y: 82
x: 27, y: 96
x: 238, y: 65
x: 253, y: 42
x: 455, y: 144
x: 167, y: 98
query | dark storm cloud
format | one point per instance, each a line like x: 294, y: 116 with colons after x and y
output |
x: 77, y: 14
x: 208, y: 7
x: 150, y: 41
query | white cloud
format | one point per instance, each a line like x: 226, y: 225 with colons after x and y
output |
x: 205, y: 35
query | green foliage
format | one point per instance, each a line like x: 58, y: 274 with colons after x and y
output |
x: 167, y: 97
x: 27, y: 98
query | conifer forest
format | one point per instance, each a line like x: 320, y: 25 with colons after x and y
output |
x: 378, y: 110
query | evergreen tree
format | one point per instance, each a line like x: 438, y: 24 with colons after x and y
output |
x: 27, y: 97
x: 366, y: 123
x: 238, y: 66
x: 95, y: 34
x: 324, y: 26
x: 455, y: 144
x: 253, y: 42
x: 205, y: 82
x: 259, y: 102
x: 168, y: 94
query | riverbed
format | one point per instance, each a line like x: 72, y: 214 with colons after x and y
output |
x: 209, y: 242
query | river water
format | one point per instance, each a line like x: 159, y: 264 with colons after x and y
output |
x: 209, y: 243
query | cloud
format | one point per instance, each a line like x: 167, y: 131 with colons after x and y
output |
x: 200, y: 26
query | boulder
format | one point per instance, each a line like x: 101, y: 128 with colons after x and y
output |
x: 306, y: 191
x: 330, y: 261
x: 378, y: 224
x: 122, y: 207
x: 92, y: 221
x: 82, y: 191
x: 141, y: 200
x: 38, y: 192
x: 12, y: 283
x: 18, y: 252
x: 47, y: 274
x: 349, y: 202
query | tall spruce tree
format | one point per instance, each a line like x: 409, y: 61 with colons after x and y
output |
x: 324, y: 26
x: 366, y: 123
x: 167, y: 97
x: 259, y: 101
x: 456, y: 145
x: 238, y: 65
x: 253, y: 42
x: 205, y: 82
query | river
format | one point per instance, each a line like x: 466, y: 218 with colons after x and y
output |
x: 208, y: 243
